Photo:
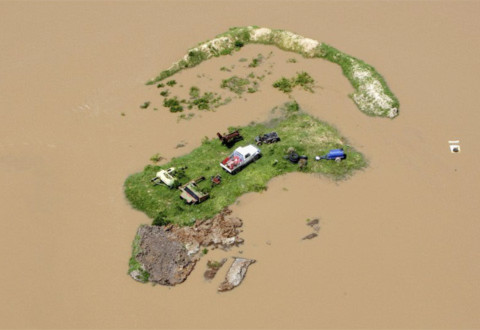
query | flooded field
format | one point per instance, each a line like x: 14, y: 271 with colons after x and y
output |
x: 398, y: 242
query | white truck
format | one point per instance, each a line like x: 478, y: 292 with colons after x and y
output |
x: 241, y: 157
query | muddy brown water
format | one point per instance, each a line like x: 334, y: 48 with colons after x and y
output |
x: 398, y: 244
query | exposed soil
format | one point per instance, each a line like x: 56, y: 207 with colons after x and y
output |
x: 169, y: 253
x: 212, y: 268
x: 164, y: 258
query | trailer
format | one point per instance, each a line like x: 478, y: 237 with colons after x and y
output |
x: 166, y: 177
x: 191, y: 194
x: 334, y: 154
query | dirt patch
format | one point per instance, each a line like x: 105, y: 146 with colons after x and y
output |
x: 169, y: 253
x: 213, y: 267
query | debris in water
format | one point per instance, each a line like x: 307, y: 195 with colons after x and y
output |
x: 454, y: 146
x: 313, y: 222
x: 235, y: 274
x: 310, y: 236
x: 213, y: 267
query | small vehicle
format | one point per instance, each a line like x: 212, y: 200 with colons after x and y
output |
x: 230, y: 139
x: 241, y: 157
x: 166, y: 177
x: 216, y: 180
x: 190, y: 192
x: 268, y: 138
x: 334, y: 154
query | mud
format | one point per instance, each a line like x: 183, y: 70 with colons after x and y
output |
x: 164, y: 258
x: 169, y: 253
x: 212, y: 268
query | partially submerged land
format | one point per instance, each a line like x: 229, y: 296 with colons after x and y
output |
x: 167, y: 251
x: 372, y: 95
x: 298, y: 130
x: 157, y: 248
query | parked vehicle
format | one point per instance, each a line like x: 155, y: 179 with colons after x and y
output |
x: 166, y: 177
x: 216, y: 180
x: 190, y: 192
x: 268, y: 138
x: 241, y: 157
x: 230, y: 139
x: 334, y: 154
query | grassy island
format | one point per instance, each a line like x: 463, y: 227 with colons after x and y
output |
x: 298, y: 130
x: 372, y: 95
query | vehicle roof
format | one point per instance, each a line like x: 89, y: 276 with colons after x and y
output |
x: 247, y: 149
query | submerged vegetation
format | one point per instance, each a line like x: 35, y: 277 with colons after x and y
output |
x: 303, y: 79
x: 296, y: 129
x: 145, y: 105
x: 239, y: 85
x: 173, y: 103
x: 372, y: 95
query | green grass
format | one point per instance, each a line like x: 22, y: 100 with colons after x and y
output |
x: 296, y: 129
x: 133, y: 264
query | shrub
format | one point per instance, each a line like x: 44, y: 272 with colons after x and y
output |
x: 173, y: 104
x: 194, y: 92
x: 156, y: 158
x: 283, y: 84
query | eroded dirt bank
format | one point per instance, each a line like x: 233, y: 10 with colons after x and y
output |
x: 169, y: 253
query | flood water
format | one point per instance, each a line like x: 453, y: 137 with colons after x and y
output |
x: 398, y: 245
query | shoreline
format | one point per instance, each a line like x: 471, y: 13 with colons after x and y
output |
x: 372, y: 95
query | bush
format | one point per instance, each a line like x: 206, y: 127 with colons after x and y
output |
x: 194, y: 92
x: 283, y: 84
x: 156, y: 158
x: 173, y: 104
